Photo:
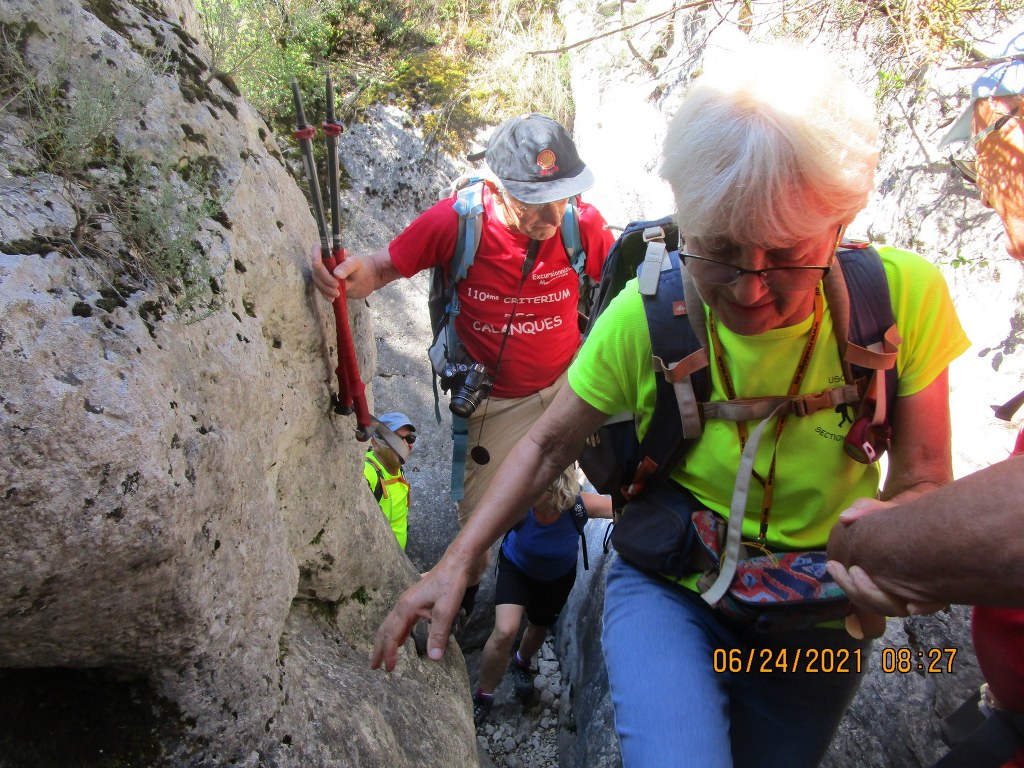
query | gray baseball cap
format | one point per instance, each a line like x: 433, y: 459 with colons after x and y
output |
x: 1005, y: 78
x: 536, y: 160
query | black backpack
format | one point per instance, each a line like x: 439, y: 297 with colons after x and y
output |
x: 617, y: 463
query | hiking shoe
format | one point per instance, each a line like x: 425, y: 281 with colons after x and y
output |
x: 481, y: 709
x: 522, y: 679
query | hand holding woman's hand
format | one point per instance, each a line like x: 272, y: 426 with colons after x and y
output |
x: 872, y: 603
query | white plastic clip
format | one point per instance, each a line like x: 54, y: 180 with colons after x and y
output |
x: 649, y: 271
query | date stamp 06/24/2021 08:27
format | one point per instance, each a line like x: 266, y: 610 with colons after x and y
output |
x: 893, y: 660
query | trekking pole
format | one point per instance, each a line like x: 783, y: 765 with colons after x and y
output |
x: 351, y: 391
x: 346, y: 348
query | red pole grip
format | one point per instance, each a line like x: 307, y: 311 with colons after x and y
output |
x: 351, y: 390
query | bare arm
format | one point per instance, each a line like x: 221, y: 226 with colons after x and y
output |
x: 918, y: 462
x: 920, y: 457
x: 363, y: 274
x: 963, y: 543
x: 552, y: 443
x: 597, y: 505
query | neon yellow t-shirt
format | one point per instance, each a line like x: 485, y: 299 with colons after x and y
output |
x: 814, y: 478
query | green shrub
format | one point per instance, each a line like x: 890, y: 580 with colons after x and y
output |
x: 142, y: 217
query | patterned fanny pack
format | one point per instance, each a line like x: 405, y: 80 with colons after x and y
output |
x: 771, y: 592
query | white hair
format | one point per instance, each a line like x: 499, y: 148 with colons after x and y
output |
x: 770, y: 148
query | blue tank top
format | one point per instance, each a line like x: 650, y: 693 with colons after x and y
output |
x: 543, y: 552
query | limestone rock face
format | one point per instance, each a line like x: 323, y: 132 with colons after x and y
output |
x: 171, y: 480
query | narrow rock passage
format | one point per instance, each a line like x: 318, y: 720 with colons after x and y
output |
x: 515, y: 736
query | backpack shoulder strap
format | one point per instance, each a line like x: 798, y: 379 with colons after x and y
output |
x: 870, y: 315
x: 571, y: 240
x: 681, y: 375
x: 469, y: 204
x: 864, y: 325
x: 378, y: 490
x: 579, y: 519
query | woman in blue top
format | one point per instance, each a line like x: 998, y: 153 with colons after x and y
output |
x: 536, y: 571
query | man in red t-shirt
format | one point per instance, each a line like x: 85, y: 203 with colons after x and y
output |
x: 963, y: 543
x: 518, y: 318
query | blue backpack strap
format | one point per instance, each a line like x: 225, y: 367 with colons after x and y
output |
x: 571, y: 239
x: 672, y: 339
x: 870, y: 306
x: 573, y: 244
x: 460, y: 446
x: 868, y: 345
x: 469, y: 204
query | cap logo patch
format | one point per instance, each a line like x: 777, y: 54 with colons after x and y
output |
x: 547, y: 162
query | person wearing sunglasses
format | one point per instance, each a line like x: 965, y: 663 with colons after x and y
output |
x: 391, y: 439
x: 769, y: 158
x: 964, y: 543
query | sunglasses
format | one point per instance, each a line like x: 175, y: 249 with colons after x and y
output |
x: 967, y: 163
x: 410, y: 438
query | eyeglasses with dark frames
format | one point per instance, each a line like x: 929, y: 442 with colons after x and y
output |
x: 967, y: 163
x: 714, y: 272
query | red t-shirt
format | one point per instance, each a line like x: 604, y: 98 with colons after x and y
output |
x: 544, y: 334
x: 998, y: 635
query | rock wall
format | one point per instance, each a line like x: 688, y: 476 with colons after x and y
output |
x: 171, y: 482
x: 177, y: 500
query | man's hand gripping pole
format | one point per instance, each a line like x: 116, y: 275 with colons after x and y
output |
x: 351, y: 390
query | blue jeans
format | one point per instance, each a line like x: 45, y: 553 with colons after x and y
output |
x: 672, y: 708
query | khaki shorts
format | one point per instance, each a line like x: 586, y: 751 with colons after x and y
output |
x: 505, y: 421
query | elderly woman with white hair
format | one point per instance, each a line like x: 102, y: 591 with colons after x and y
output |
x: 769, y: 159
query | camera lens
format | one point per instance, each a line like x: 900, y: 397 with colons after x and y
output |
x: 462, y: 405
x: 475, y: 387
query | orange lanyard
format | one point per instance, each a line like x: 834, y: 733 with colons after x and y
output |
x: 794, y: 389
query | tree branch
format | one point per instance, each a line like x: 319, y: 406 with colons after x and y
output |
x: 655, y: 17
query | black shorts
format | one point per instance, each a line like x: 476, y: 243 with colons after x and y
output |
x: 543, y: 599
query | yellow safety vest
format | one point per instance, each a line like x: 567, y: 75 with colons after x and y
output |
x: 392, y: 493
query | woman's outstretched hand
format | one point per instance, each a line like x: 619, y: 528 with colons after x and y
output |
x: 436, y: 597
